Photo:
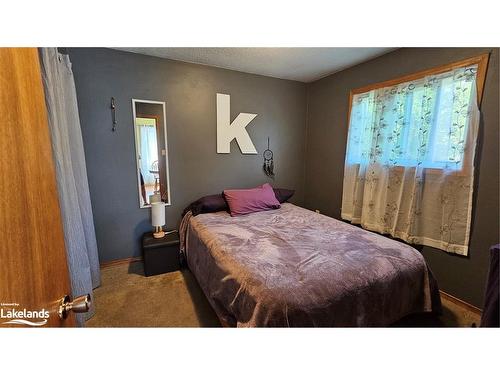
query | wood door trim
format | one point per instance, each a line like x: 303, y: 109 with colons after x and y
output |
x: 32, y: 250
x: 157, y: 118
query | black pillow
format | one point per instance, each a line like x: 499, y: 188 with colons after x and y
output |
x: 282, y: 195
x: 209, y: 203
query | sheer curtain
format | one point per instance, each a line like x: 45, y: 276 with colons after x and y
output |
x: 71, y: 173
x: 410, y: 160
x: 148, y: 151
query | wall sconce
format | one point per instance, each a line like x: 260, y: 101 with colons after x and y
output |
x: 113, y: 114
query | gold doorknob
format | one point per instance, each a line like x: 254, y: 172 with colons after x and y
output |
x: 78, y: 305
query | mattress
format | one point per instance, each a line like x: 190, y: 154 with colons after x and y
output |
x: 293, y: 267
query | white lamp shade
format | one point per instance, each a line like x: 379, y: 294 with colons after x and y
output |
x: 158, y: 214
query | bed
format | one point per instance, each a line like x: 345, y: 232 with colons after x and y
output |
x: 293, y: 267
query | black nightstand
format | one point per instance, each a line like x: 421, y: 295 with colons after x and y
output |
x: 160, y: 255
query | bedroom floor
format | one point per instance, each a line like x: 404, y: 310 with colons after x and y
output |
x: 128, y: 299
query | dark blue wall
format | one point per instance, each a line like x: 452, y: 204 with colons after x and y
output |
x: 195, y: 167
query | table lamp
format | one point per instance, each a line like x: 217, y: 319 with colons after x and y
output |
x: 158, y: 219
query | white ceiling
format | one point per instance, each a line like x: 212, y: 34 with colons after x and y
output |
x: 298, y: 64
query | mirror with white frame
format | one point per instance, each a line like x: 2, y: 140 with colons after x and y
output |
x: 150, y: 132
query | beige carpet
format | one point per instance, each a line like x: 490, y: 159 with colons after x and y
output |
x: 126, y: 298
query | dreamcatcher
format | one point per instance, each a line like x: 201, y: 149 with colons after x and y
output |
x: 268, y: 161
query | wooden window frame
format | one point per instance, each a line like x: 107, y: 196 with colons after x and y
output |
x: 482, y: 67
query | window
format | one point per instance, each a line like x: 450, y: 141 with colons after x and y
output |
x: 417, y: 122
x: 409, y: 167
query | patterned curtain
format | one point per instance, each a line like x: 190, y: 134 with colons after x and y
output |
x: 148, y: 151
x: 410, y: 160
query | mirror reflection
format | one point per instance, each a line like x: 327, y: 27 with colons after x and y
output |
x: 151, y: 151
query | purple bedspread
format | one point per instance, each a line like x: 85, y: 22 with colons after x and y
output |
x: 294, y: 267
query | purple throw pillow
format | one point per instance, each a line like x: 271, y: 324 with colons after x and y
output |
x: 245, y: 201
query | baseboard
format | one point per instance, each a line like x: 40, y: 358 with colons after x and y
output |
x: 121, y: 261
x: 466, y: 305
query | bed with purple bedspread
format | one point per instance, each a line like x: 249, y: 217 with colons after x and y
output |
x: 292, y: 267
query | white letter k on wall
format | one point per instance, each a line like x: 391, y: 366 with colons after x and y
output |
x: 227, y: 131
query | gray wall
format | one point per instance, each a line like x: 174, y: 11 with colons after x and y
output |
x: 282, y: 107
x: 195, y: 167
x: 463, y: 277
